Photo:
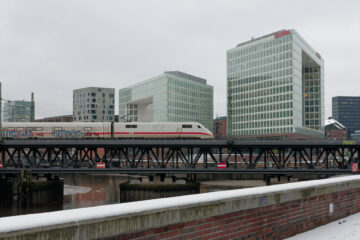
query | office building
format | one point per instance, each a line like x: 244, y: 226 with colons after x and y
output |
x: 346, y: 110
x: 170, y: 97
x: 94, y: 104
x: 219, y: 127
x: 275, y: 88
x: 18, y: 111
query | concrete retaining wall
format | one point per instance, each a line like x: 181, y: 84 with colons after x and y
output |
x: 137, y: 192
x: 272, y: 212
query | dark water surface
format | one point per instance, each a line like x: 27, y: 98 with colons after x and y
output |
x: 80, y: 190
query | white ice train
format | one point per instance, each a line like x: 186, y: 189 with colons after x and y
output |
x: 104, y: 130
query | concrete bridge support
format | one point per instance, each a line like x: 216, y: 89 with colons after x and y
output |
x: 144, y: 188
x: 31, y: 190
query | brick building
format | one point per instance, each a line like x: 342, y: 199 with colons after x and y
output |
x: 219, y: 127
x: 335, y: 130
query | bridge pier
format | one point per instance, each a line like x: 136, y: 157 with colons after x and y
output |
x: 158, y: 186
x: 36, y: 191
x: 31, y: 190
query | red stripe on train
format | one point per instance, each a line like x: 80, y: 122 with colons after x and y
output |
x: 171, y: 133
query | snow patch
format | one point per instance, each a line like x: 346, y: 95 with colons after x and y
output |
x: 70, y: 189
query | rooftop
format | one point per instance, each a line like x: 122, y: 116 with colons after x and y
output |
x: 255, y: 39
x: 185, y: 75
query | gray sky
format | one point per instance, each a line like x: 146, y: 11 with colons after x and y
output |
x: 53, y: 47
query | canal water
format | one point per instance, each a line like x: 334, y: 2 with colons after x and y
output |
x: 80, y: 190
x: 87, y: 190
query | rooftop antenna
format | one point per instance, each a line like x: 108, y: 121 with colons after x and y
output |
x: 32, y: 108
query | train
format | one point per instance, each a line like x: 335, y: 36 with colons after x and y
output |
x: 105, y: 130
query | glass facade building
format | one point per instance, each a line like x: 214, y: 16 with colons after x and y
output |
x: 18, y: 111
x: 275, y: 87
x: 346, y: 110
x: 170, y: 97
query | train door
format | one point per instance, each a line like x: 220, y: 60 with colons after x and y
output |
x: 179, y: 131
x: 112, y: 130
x: 107, y: 130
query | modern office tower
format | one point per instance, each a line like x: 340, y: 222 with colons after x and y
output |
x: 170, y: 97
x: 346, y: 110
x: 275, y: 87
x: 93, y: 104
x: 18, y: 111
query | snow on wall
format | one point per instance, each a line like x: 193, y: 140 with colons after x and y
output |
x: 73, y: 216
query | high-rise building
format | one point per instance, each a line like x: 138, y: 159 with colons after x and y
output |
x: 275, y: 88
x: 94, y: 104
x: 346, y: 110
x: 170, y: 97
x: 18, y: 111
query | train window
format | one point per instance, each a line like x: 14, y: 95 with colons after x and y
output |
x: 20, y: 129
x: 130, y: 126
x: 199, y: 126
x: 87, y: 129
x: 30, y: 129
x: 57, y: 129
x: 39, y: 129
x: 186, y: 126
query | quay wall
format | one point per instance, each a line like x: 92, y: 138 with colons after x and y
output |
x: 270, y: 212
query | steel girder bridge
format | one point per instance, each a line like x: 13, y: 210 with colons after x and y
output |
x: 179, y: 156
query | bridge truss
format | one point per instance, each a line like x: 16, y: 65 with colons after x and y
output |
x: 185, y: 156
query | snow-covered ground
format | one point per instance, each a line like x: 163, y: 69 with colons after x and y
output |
x: 345, y: 229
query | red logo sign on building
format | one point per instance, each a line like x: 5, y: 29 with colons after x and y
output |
x: 221, y: 165
x: 281, y: 34
x: 355, y: 167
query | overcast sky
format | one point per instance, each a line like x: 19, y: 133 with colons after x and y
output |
x: 52, y: 47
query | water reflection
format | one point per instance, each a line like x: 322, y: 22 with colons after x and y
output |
x: 86, y: 190
x: 80, y: 190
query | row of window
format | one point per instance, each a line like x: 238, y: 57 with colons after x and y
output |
x: 264, y: 131
x: 263, y: 124
x: 260, y: 65
x: 260, y: 46
x: 261, y: 92
x: 84, y: 95
x: 261, y: 101
x: 93, y: 117
x: 93, y: 106
x: 262, y: 116
x: 94, y: 112
x: 262, y: 54
x: 262, y: 108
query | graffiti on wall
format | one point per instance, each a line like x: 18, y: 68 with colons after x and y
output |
x: 16, y: 133
x: 68, y: 133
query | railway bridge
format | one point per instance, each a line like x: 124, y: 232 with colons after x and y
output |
x: 179, y: 156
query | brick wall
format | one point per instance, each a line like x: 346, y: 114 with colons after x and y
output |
x: 271, y: 222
